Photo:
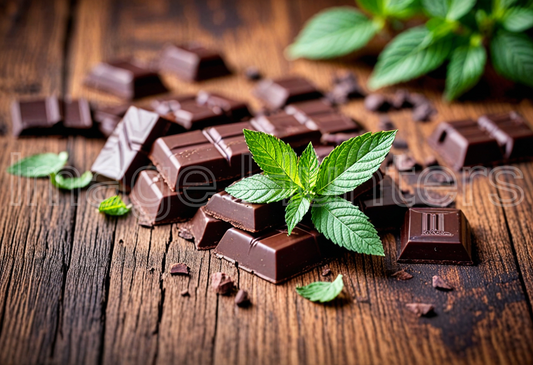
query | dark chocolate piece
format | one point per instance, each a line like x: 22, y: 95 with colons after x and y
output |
x: 107, y: 117
x: 36, y: 117
x: 423, y: 112
x: 385, y: 123
x: 253, y: 73
x: 402, y: 275
x: 242, y: 299
x: 126, y: 79
x: 405, y: 162
x: 400, y: 143
x: 464, y: 143
x: 221, y: 283
x: 246, y: 216
x: 193, y: 62
x: 233, y: 109
x: 512, y: 132
x: 206, y: 230
x: 179, y: 269
x: 190, y: 115
x: 303, y: 110
x: 345, y: 87
x: 326, y: 271
x: 377, y: 103
x: 435, y: 235
x: 272, y: 255
x: 438, y: 283
x: 77, y: 116
x: 420, y: 309
x: 402, y: 99
x: 170, y: 103
x: 287, y: 128
x: 280, y: 92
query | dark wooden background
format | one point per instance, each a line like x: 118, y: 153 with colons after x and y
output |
x: 77, y: 287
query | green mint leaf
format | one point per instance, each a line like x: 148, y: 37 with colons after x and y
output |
x: 71, y: 183
x: 435, y: 8
x: 321, y: 291
x: 275, y: 157
x: 518, y: 19
x: 114, y: 206
x: 39, y: 165
x: 448, y: 9
x: 308, y: 167
x: 353, y: 162
x: 375, y: 7
x: 331, y: 33
x: 512, y: 56
x: 295, y: 211
x: 344, y: 224
x: 464, y: 70
x: 402, y: 9
x: 261, y: 189
x: 409, y: 56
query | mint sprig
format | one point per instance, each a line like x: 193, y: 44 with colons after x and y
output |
x: 114, y: 206
x: 309, y: 184
x: 321, y: 291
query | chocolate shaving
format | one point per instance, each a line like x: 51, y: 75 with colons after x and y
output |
x: 326, y: 271
x: 221, y: 283
x: 439, y: 283
x: 179, y: 269
x: 420, y: 309
x: 402, y: 275
x: 242, y: 299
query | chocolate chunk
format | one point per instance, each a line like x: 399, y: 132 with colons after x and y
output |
x: 193, y: 62
x: 280, y: 92
x: 402, y: 275
x: 418, y: 99
x: 420, y: 309
x: 253, y: 73
x: 385, y: 123
x: 377, y: 103
x: 342, y: 92
x: 332, y: 123
x: 127, y: 79
x: 326, y: 271
x: 439, y: 283
x: 344, y: 77
x: 185, y: 233
x: 400, y: 143
x: 179, y: 269
x: 402, y: 99
x: 273, y: 255
x: 170, y: 103
x: 184, y: 293
x: 435, y: 235
x: 405, y: 162
x: 221, y: 283
x: 242, y: 299
x: 191, y: 115
x: 233, y: 109
x: 423, y: 112
x: 303, y: 110
x: 428, y: 197
x: 107, y: 117
x: 77, y: 116
x: 206, y: 230
x: 36, y: 117
x: 287, y: 128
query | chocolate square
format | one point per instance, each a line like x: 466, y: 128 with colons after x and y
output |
x: 36, y: 117
x: 280, y: 92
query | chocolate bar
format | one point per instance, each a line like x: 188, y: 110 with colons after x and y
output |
x: 193, y: 62
x: 246, y: 216
x: 36, y: 117
x: 435, y: 236
x: 273, y: 255
x: 77, y: 116
x: 280, y: 92
x: 125, y: 78
x: 205, y: 230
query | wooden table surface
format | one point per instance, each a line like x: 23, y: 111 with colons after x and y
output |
x: 77, y: 287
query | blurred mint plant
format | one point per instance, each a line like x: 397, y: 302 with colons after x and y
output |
x: 458, y: 31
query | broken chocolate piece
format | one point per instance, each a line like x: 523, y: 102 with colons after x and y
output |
x: 400, y: 143
x: 242, y: 299
x: 280, y: 92
x: 77, y: 116
x: 206, y: 230
x: 35, y: 117
x: 439, y: 283
x: 402, y: 99
x: 385, y: 123
x: 179, y: 269
x: 185, y: 233
x: 405, y: 162
x: 423, y: 112
x: 377, y: 103
x: 221, y: 283
x: 253, y: 73
x: 420, y: 309
x: 402, y: 275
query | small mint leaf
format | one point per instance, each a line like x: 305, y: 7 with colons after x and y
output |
x: 308, y: 167
x: 39, y: 165
x: 464, y: 70
x: 113, y: 206
x: 344, y: 224
x: 260, y: 189
x: 71, y: 183
x: 275, y: 157
x: 353, y: 162
x: 321, y: 291
x: 295, y: 211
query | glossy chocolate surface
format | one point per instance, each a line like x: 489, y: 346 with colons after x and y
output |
x: 437, y: 236
x: 206, y: 230
x: 277, y: 93
x: 36, y: 117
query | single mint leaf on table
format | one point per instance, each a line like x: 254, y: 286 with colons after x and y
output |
x: 308, y: 168
x: 466, y: 67
x: 518, y: 19
x: 295, y: 211
x: 261, y: 189
x: 275, y: 157
x: 512, y: 56
x: 321, y: 291
x: 408, y: 56
x: 114, y: 206
x: 344, y: 224
x: 333, y: 32
x: 353, y: 162
x: 39, y: 165
x: 71, y: 183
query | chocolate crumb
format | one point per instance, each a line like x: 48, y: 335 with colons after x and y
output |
x: 420, y: 309
x: 405, y: 162
x: 253, y: 74
x: 418, y: 99
x: 439, y: 283
x: 402, y: 99
x: 423, y: 112
x: 242, y: 299
x: 179, y: 269
x: 221, y: 283
x: 326, y: 271
x: 402, y: 275
x: 377, y: 102
x: 185, y: 233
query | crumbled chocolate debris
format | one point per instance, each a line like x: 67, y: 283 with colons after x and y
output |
x: 377, y: 102
x: 402, y: 99
x: 242, y: 299
x: 423, y: 112
x: 386, y: 124
x: 184, y: 293
x: 221, y: 283
x: 420, y: 309
x: 179, y: 269
x: 439, y: 283
x: 402, y: 275
x: 326, y: 271
x: 405, y: 162
x: 400, y: 143
x: 185, y: 233
x: 253, y: 74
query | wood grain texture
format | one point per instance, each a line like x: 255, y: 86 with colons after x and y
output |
x: 78, y: 287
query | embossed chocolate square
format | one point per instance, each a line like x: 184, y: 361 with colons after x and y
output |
x: 435, y: 236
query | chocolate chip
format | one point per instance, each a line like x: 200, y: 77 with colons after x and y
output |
x: 326, y: 271
x: 439, y: 283
x: 179, y: 269
x: 253, y: 74
x: 423, y: 112
x: 385, y: 123
x: 402, y: 275
x: 405, y: 162
x: 401, y: 99
x: 221, y: 283
x: 377, y: 102
x: 242, y: 299
x: 400, y: 143
x: 184, y: 293
x: 185, y: 233
x: 420, y: 309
